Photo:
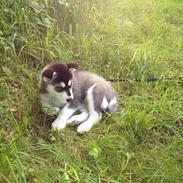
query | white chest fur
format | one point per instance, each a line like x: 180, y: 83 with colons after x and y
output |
x: 53, y: 98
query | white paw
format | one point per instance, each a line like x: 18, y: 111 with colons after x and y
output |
x: 77, y: 119
x: 58, y: 125
x: 73, y: 121
x: 83, y: 128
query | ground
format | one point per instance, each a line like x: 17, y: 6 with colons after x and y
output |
x: 118, y: 39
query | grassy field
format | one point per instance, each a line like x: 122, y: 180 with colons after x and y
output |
x: 131, y: 39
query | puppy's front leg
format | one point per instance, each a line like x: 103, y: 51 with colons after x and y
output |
x: 63, y: 116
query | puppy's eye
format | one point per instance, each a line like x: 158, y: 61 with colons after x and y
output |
x: 59, y: 88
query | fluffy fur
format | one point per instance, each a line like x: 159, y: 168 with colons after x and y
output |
x: 67, y: 90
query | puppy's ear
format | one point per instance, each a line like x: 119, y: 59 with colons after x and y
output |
x: 73, y: 66
x: 48, y: 75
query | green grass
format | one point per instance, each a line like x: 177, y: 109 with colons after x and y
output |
x: 132, y: 39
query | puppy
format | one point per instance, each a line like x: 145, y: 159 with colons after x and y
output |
x: 66, y: 89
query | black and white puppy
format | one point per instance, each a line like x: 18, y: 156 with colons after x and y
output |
x: 67, y: 89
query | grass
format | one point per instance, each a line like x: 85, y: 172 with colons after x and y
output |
x: 132, y: 39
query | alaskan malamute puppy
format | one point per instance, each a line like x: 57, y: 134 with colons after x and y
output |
x: 67, y: 89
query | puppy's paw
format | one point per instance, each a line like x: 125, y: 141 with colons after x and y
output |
x: 58, y: 125
x: 83, y: 128
x: 77, y: 119
x: 73, y: 122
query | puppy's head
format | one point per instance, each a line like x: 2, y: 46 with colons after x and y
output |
x: 57, y: 80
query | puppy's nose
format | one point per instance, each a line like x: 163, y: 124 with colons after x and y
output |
x: 69, y: 99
